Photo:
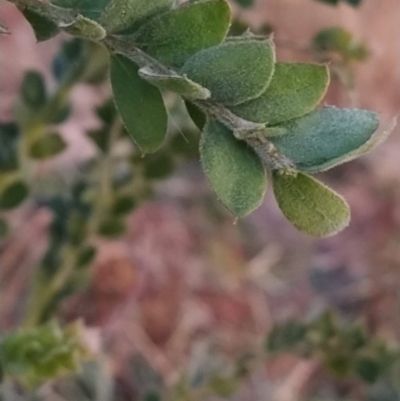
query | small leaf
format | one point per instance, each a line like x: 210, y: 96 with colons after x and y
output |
x: 122, y: 15
x: 89, y: 8
x: 123, y: 205
x: 4, y: 230
x: 197, y: 116
x: 86, y: 28
x: 368, y: 367
x: 234, y: 72
x: 9, y: 142
x: 158, y: 166
x: 33, y: 90
x: 309, y: 205
x: 101, y: 137
x: 139, y: 103
x: 86, y: 256
x: 295, y: 90
x: 245, y: 3
x: 176, y: 35
x: 324, y: 138
x: 337, y: 39
x: 175, y: 83
x: 112, y: 228
x: 13, y: 195
x: 43, y: 28
x: 233, y: 169
x: 48, y: 146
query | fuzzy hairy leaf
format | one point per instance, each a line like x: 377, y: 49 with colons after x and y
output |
x: 324, y: 138
x: 86, y: 28
x: 48, y: 146
x: 233, y: 169
x: 295, y: 90
x: 174, y: 36
x: 89, y: 8
x: 43, y: 28
x: 139, y: 103
x: 175, y: 83
x: 309, y: 205
x: 122, y: 15
x: 234, y: 72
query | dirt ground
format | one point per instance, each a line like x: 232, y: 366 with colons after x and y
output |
x: 180, y: 279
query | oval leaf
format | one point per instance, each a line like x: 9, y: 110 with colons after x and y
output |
x: 86, y: 28
x: 139, y: 103
x: 295, y: 90
x: 13, y: 195
x: 324, y: 138
x: 48, y: 146
x: 33, y: 90
x: 233, y: 169
x: 121, y: 15
x: 234, y: 72
x: 175, y: 83
x: 175, y: 36
x: 309, y: 205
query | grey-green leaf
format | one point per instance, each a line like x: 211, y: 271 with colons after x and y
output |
x: 233, y: 169
x: 234, y: 72
x: 175, y: 83
x: 43, y: 28
x: 89, y: 8
x: 174, y: 36
x: 121, y: 15
x: 295, y: 90
x: 309, y: 205
x: 48, y: 146
x: 139, y: 103
x: 324, y: 138
x: 86, y: 28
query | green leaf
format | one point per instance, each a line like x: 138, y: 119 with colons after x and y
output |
x: 368, y: 367
x: 175, y: 83
x: 112, y: 228
x: 197, y: 116
x: 43, y: 28
x: 122, y: 15
x: 295, y: 90
x: 86, y: 256
x: 33, y: 90
x: 233, y: 169
x: 9, y: 142
x: 123, y: 205
x: 48, y: 146
x: 175, y: 36
x: 245, y: 3
x: 89, y: 8
x: 13, y: 195
x: 86, y: 28
x: 158, y: 166
x: 234, y: 72
x: 286, y: 336
x: 101, y: 137
x: 4, y: 230
x: 324, y: 138
x: 139, y: 103
x: 309, y: 205
x: 339, y: 40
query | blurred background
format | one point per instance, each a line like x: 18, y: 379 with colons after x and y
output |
x: 172, y: 293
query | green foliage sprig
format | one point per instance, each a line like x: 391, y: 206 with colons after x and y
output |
x: 261, y: 123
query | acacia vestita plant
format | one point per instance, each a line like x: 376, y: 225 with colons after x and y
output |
x: 261, y: 120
